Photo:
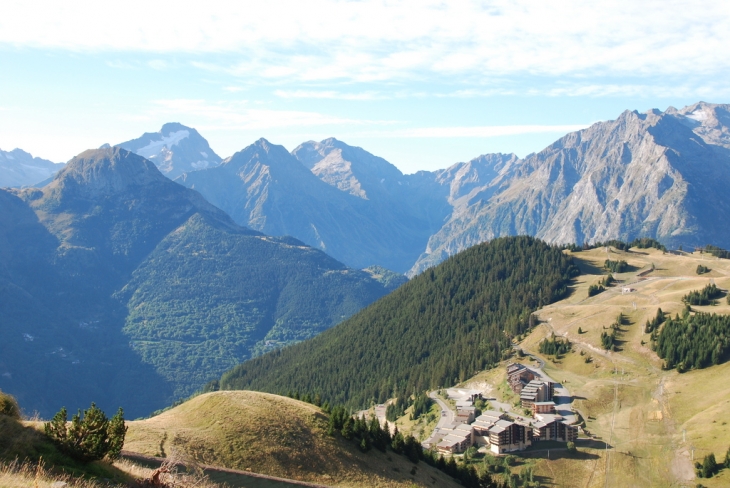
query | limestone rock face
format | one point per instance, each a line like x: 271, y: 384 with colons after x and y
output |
x: 657, y: 174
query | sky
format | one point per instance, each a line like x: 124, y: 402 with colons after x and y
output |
x: 422, y: 83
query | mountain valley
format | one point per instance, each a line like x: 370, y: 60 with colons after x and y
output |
x: 116, y: 279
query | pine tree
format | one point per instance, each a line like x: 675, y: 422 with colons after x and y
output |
x: 399, y: 443
x: 709, y: 466
x: 364, y: 444
x: 90, y: 437
x: 347, y: 429
x: 117, y: 431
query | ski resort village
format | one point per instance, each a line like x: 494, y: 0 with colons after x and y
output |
x: 501, y: 431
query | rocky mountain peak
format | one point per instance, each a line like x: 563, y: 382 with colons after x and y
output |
x: 107, y: 171
x: 349, y: 168
x: 175, y: 149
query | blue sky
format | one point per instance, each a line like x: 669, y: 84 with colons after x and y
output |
x: 423, y: 84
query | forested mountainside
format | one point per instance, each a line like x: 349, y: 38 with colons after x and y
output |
x: 657, y: 174
x: 436, y: 330
x: 122, y: 287
x: 175, y: 149
x: 19, y: 168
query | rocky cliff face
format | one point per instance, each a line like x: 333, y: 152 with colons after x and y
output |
x: 657, y: 174
x: 351, y: 204
x: 19, y: 168
x: 175, y: 149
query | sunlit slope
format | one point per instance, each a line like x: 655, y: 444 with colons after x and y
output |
x: 272, y: 435
x: 651, y: 418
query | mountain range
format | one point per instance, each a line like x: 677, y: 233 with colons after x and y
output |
x: 653, y: 174
x: 122, y: 287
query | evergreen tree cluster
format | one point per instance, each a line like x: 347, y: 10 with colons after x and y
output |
x: 616, y: 266
x: 397, y: 408
x: 608, y: 340
x: 554, y: 346
x: 710, y: 467
x: 90, y: 437
x: 694, y: 341
x: 718, y: 252
x: 595, y: 289
x: 705, y: 296
x: 438, y: 329
x: 421, y: 406
x: 701, y: 269
x: 653, y: 324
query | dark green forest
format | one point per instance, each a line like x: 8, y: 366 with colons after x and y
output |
x: 436, y: 330
x: 694, y: 341
x: 705, y: 296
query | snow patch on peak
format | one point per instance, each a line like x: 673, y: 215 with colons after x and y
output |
x: 204, y: 154
x: 155, y: 147
x: 699, y: 115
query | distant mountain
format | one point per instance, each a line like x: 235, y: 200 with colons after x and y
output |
x: 122, y: 287
x: 355, y: 215
x: 658, y: 174
x: 19, y: 168
x: 175, y: 149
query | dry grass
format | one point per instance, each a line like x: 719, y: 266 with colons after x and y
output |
x: 22, y: 475
x: 272, y: 435
x: 644, y: 421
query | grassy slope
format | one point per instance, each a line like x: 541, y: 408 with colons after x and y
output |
x: 652, y: 406
x: 271, y: 435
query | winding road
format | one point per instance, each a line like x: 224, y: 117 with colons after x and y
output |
x: 446, y: 420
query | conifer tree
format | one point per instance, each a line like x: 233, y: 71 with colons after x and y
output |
x: 709, y: 466
x: 89, y: 437
x: 347, y: 429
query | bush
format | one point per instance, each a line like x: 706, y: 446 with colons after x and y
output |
x: 9, y: 406
x: 571, y: 448
x: 88, y: 438
x: 702, y: 269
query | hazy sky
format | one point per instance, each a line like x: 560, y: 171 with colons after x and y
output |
x: 423, y: 84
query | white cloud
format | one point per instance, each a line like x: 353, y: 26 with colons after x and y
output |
x: 379, y: 40
x: 484, y: 131
x: 239, y: 116
x: 330, y: 94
